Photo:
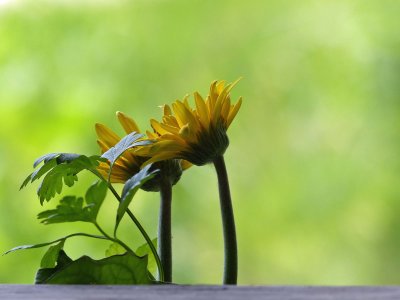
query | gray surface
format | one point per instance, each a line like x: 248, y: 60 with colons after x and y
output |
x: 88, y: 292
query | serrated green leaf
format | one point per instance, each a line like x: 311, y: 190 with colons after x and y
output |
x: 65, y: 172
x: 115, y: 249
x: 124, y: 144
x: 117, y: 269
x: 67, y: 157
x: 39, y: 172
x: 60, y: 168
x: 45, y: 158
x: 131, y: 186
x: 146, y: 250
x: 50, y: 258
x: 70, y: 209
x: 127, y: 142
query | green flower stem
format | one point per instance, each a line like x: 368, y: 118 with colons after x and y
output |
x: 115, y: 240
x: 228, y: 223
x: 164, y: 228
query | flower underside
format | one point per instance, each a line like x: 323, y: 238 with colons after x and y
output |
x: 196, y: 135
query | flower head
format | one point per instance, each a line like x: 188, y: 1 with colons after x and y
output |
x: 128, y: 164
x: 196, y: 135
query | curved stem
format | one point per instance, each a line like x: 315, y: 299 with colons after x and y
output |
x: 144, y: 234
x: 228, y: 223
x: 164, y: 228
x: 138, y: 225
x: 56, y: 241
x: 113, y: 239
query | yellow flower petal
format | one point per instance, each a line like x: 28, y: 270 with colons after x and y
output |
x: 106, y: 135
x: 226, y: 107
x: 212, y: 97
x: 233, y: 112
x: 151, y: 135
x: 186, y: 116
x: 103, y: 147
x: 167, y: 110
x: 157, y: 127
x: 171, y: 121
x: 202, y: 110
x: 160, y: 157
x: 186, y: 103
x: 168, y: 146
x: 127, y: 123
x: 218, y: 105
x: 220, y: 86
x: 174, y: 137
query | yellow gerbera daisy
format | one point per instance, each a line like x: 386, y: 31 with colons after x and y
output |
x: 196, y: 135
x: 128, y: 164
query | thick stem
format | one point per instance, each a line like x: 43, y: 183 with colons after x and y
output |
x: 228, y: 223
x: 164, y: 228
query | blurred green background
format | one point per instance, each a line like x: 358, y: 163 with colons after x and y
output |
x: 314, y: 156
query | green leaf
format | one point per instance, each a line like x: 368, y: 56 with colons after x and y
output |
x: 39, y: 172
x: 71, y: 209
x: 25, y: 247
x: 127, y: 142
x: 44, y: 274
x: 45, y: 158
x: 50, y: 258
x: 145, y: 250
x: 59, y: 169
x: 117, y: 269
x: 131, y: 186
x: 66, y: 171
x: 115, y: 249
x: 50, y: 162
x: 94, y: 197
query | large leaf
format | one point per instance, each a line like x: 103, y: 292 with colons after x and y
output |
x: 131, y: 186
x: 118, y: 269
x: 127, y: 142
x: 43, y: 274
x: 71, y: 209
x: 60, y: 169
